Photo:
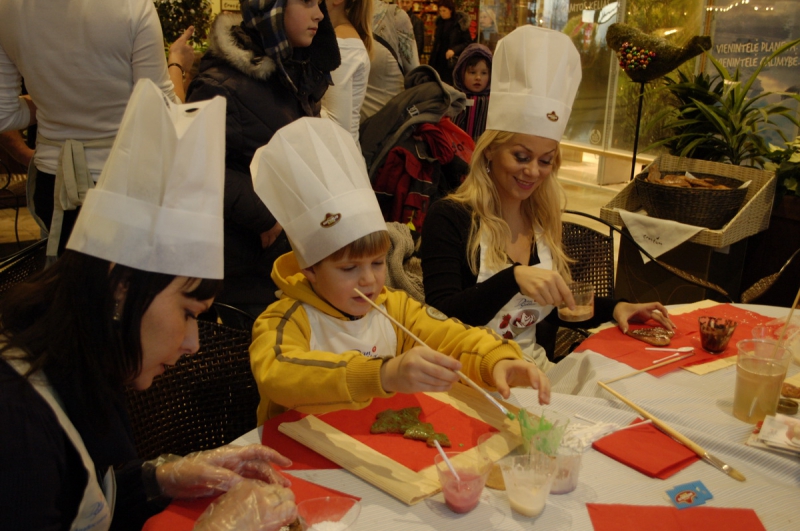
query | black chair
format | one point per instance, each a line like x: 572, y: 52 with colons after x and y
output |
x: 761, y: 287
x: 687, y: 278
x: 592, y: 255
x: 22, y: 264
x: 206, y: 400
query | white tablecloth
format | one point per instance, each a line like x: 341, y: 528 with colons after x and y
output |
x: 697, y: 406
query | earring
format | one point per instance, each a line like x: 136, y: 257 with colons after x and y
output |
x: 120, y: 294
x: 117, y: 314
x: 488, y: 167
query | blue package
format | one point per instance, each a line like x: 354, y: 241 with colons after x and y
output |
x: 689, y: 495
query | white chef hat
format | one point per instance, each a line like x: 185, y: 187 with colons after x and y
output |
x: 535, y: 76
x: 158, y: 203
x: 313, y: 179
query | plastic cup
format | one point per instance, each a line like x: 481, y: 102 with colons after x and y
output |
x: 760, y: 370
x: 542, y: 429
x: 330, y: 512
x: 715, y: 333
x: 463, y: 494
x: 568, y: 467
x: 528, y: 479
x: 583, y: 293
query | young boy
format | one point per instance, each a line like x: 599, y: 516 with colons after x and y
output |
x: 321, y: 347
x: 472, y: 76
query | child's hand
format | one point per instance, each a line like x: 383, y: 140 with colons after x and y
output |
x: 419, y: 370
x: 520, y: 373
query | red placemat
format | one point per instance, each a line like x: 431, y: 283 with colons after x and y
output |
x: 181, y: 515
x: 303, y: 457
x: 647, y: 450
x: 615, y: 345
x: 657, y: 518
x: 462, y: 430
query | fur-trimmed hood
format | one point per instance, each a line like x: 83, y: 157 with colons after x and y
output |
x: 240, y: 47
x: 224, y: 41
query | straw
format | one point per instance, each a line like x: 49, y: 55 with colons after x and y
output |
x: 656, y: 366
x: 786, y: 326
x: 446, y: 460
x: 463, y: 376
x: 667, y: 357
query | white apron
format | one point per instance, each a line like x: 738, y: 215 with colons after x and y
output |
x: 372, y: 335
x: 97, y: 505
x: 517, y: 319
x: 73, y: 180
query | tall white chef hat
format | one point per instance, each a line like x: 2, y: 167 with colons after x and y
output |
x: 158, y: 204
x: 313, y: 179
x: 535, y: 76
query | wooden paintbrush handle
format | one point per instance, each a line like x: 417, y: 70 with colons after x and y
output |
x: 696, y: 448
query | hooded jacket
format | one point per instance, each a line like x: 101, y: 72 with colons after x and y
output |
x: 263, y: 92
x: 451, y: 34
x: 291, y: 376
x: 472, y: 119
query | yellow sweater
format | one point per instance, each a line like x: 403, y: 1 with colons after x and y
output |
x: 292, y: 376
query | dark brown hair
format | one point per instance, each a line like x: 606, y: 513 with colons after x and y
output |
x: 62, y: 321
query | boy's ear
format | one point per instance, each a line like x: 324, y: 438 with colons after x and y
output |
x: 310, y: 274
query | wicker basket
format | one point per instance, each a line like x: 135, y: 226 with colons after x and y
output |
x: 700, y: 207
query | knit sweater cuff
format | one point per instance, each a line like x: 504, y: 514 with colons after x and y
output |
x: 364, y: 379
x: 507, y: 351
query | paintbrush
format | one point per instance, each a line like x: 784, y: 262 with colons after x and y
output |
x: 463, y: 376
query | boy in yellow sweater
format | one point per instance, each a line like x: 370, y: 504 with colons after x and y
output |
x: 320, y: 347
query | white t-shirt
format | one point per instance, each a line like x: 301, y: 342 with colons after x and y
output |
x: 342, y: 102
x: 80, y: 60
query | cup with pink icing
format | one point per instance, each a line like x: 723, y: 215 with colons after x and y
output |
x: 463, y: 493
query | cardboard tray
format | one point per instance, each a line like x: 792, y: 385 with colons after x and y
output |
x: 387, y: 474
x: 752, y: 218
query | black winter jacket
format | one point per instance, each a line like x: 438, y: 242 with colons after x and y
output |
x: 451, y: 34
x: 260, y: 101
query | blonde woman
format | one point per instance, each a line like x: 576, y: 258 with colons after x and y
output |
x: 352, y: 20
x: 491, y: 252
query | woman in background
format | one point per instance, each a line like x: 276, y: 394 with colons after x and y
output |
x: 451, y: 37
x: 352, y: 22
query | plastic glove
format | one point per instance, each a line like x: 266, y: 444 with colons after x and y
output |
x: 249, y: 506
x: 214, y: 471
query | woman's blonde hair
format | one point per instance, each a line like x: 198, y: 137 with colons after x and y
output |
x: 359, y: 13
x: 479, y: 193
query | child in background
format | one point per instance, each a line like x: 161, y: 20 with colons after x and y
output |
x: 472, y: 75
x: 352, y: 22
x: 321, y: 347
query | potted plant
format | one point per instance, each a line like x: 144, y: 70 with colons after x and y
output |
x: 715, y: 119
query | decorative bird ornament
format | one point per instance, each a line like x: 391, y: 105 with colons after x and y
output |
x: 645, y: 57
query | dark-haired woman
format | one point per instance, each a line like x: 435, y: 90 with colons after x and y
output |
x: 144, y: 259
x: 449, y: 40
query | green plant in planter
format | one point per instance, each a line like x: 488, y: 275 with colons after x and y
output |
x: 786, y: 165
x: 714, y: 119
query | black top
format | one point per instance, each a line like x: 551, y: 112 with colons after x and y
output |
x: 452, y: 287
x: 43, y: 477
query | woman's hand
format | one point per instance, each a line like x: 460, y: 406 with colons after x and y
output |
x: 448, y: 54
x: 419, y: 370
x: 214, y: 471
x: 625, y: 312
x: 181, y: 52
x: 520, y: 373
x: 249, y: 505
x: 544, y: 286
